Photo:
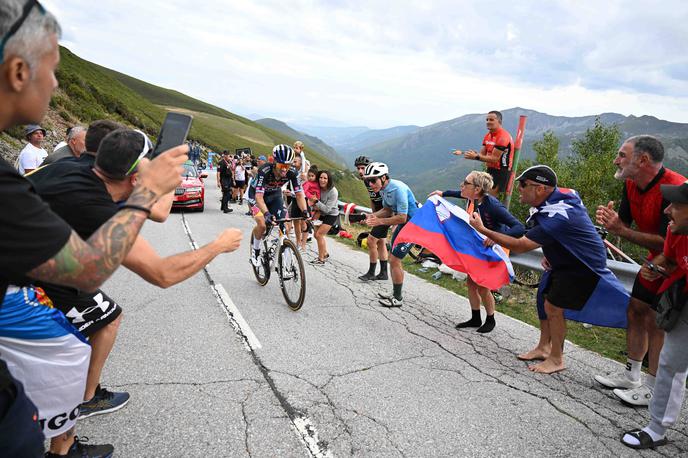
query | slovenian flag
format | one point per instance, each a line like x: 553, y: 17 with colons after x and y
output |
x: 443, y: 228
x: 564, y: 217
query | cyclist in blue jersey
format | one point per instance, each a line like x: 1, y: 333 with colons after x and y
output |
x: 398, y: 207
x: 265, y: 195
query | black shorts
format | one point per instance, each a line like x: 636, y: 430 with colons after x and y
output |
x: 646, y: 291
x: 500, y: 178
x: 379, y: 232
x: 294, y: 210
x: 239, y: 184
x: 88, y: 312
x: 328, y: 219
x: 570, y: 290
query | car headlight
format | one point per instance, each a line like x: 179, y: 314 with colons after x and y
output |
x: 195, y: 189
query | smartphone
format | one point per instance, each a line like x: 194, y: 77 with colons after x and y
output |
x: 173, y: 132
x: 655, y: 268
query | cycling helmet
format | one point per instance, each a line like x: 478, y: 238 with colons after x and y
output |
x: 375, y: 169
x: 283, y: 154
x: 361, y: 160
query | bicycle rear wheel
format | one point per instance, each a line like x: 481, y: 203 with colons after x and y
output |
x: 262, y: 272
x: 291, y: 274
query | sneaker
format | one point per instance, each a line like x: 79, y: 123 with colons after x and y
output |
x: 316, y: 222
x: 318, y: 262
x: 80, y: 449
x: 255, y: 258
x: 228, y: 210
x: 498, y: 297
x: 385, y: 296
x: 382, y: 276
x: 619, y: 380
x: 640, y: 396
x: 391, y: 302
x: 366, y: 277
x: 104, y: 401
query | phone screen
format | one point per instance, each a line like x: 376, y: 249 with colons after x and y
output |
x: 173, y: 132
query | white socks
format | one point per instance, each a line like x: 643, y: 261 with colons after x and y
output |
x: 256, y: 243
x: 633, y: 368
x: 633, y: 441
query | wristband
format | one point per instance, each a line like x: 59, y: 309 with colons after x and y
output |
x: 135, y: 207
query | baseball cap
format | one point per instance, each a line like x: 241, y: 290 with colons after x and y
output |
x: 262, y: 158
x: 540, y: 174
x: 675, y: 193
x: 31, y: 128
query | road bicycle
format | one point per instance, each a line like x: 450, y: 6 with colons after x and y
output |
x: 280, y: 253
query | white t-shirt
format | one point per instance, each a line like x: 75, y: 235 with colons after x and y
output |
x: 240, y: 173
x: 30, y: 158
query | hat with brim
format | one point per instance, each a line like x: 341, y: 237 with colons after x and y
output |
x: 676, y: 194
x: 31, y: 128
x: 262, y: 158
x: 539, y: 174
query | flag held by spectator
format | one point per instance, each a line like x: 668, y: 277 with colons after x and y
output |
x: 443, y: 228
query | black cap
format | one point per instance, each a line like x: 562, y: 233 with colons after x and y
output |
x: 676, y: 194
x: 540, y: 174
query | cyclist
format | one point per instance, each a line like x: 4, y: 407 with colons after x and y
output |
x: 265, y: 195
x: 398, y: 207
x: 377, y: 240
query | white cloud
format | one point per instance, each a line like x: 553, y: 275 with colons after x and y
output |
x: 380, y: 64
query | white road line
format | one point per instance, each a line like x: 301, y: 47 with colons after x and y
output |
x: 232, y: 309
x: 187, y: 231
x: 309, y: 435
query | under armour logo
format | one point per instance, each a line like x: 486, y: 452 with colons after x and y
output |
x: 78, y: 317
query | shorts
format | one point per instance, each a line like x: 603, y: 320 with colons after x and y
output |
x: 47, y: 355
x: 379, y: 232
x: 570, y: 290
x: 647, y: 291
x: 88, y: 312
x: 295, y: 211
x: 20, y: 432
x: 274, y: 203
x: 500, y: 178
x: 330, y: 220
x: 401, y: 250
x: 239, y: 184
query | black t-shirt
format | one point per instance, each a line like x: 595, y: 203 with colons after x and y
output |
x: 31, y: 232
x: 224, y: 168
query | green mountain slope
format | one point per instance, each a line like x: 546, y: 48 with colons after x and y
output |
x: 88, y: 92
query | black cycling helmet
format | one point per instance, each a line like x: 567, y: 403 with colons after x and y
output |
x: 361, y: 160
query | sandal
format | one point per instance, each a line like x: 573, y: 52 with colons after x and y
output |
x: 644, y: 438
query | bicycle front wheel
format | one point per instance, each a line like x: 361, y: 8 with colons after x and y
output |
x: 262, y: 271
x: 292, y: 275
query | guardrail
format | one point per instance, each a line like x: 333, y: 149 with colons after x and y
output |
x: 624, y: 271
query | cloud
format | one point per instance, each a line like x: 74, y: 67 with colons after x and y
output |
x: 381, y: 63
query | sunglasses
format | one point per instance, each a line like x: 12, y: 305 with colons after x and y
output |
x: 369, y: 181
x: 17, y: 25
x: 147, y: 146
x: 283, y: 166
x: 467, y: 183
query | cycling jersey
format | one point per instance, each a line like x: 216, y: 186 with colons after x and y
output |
x: 399, y: 198
x: 268, y: 182
x: 498, y: 146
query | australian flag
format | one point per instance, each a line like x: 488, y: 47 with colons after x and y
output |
x: 443, y: 228
x: 564, y: 217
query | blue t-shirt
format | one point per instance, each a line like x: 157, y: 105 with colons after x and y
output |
x: 398, y: 197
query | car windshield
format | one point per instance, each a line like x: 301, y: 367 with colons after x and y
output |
x: 189, y: 171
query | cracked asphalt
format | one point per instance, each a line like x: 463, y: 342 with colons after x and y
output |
x: 368, y: 381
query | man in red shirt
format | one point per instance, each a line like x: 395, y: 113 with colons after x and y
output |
x: 496, y: 152
x: 639, y: 163
x: 670, y: 385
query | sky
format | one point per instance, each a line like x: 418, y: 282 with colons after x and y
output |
x: 381, y: 63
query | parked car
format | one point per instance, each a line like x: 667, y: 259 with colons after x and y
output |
x: 191, y: 192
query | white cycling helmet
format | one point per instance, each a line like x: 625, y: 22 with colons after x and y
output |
x: 375, y: 169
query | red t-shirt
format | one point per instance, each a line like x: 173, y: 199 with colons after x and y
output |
x: 498, y: 146
x: 676, y: 249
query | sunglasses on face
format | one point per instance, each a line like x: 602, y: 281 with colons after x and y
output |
x: 369, y: 181
x: 467, y: 183
x: 283, y: 167
x: 28, y: 6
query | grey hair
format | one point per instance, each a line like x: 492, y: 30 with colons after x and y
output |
x: 647, y: 144
x: 74, y: 131
x: 31, y: 40
x: 482, y: 180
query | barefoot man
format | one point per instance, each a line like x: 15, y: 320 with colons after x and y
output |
x: 575, y: 259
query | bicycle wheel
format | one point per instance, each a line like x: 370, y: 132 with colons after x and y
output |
x: 527, y: 277
x: 262, y: 272
x: 291, y: 274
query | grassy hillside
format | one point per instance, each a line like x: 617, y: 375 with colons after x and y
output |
x: 89, y: 92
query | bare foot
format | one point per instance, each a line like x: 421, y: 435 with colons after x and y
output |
x: 536, y: 353
x: 548, y: 366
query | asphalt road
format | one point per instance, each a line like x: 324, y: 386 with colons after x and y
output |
x: 342, y: 376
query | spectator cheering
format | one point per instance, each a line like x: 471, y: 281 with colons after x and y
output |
x: 398, y: 207
x: 75, y: 147
x: 328, y: 207
x: 576, y: 261
x: 377, y: 239
x: 495, y: 217
x: 639, y: 163
x: 496, y: 152
x: 33, y: 154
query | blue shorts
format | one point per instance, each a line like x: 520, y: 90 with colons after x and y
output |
x: 401, y: 250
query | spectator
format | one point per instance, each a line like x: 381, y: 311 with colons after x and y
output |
x: 29, y: 55
x: 639, y: 163
x: 261, y: 161
x: 305, y: 164
x: 496, y: 217
x: 377, y: 239
x: 63, y: 142
x: 225, y: 181
x: 239, y: 181
x: 328, y: 206
x: 95, y: 134
x: 85, y: 197
x: 574, y: 256
x: 670, y: 386
x: 32, y: 156
x: 75, y: 147
x: 496, y: 152
x: 398, y: 207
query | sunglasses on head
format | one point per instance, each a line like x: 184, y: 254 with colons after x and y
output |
x: 147, y: 147
x: 28, y: 6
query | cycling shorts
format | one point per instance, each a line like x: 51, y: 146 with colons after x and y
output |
x: 379, y: 232
x: 401, y: 250
x: 274, y: 203
x: 647, y: 291
x: 46, y: 354
x: 500, y: 178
